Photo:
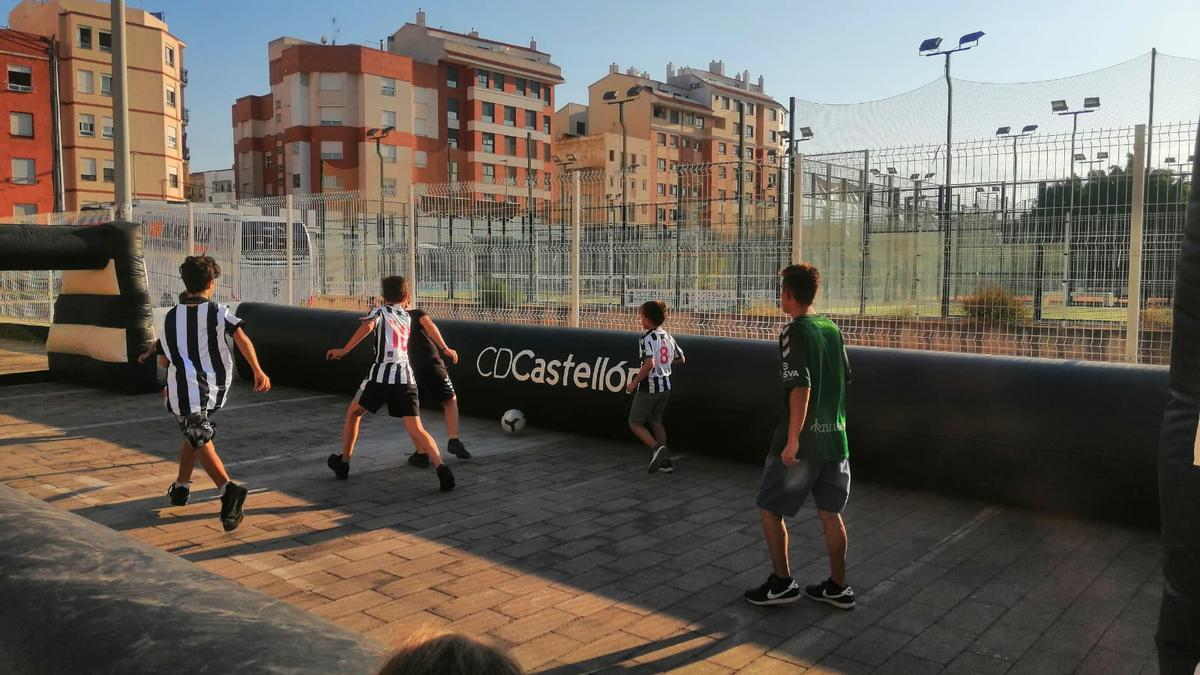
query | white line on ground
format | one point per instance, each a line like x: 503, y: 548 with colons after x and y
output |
x: 47, y: 393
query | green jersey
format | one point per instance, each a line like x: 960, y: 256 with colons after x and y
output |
x: 813, y: 356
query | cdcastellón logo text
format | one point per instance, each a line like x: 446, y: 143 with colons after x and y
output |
x: 602, y: 374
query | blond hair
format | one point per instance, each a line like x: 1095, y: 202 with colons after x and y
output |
x: 429, y: 653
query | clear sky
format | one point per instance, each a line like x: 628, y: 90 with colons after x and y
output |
x: 837, y: 52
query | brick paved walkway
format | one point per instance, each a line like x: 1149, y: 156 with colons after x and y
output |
x: 17, y: 356
x: 565, y: 550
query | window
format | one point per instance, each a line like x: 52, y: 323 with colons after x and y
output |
x: 581, y: 128
x: 674, y: 117
x: 489, y: 143
x: 454, y: 172
x: 721, y: 194
x: 510, y: 145
x: 105, y: 41
x: 481, y: 78
x: 546, y: 93
x: 489, y: 173
x: 421, y: 159
x: 722, y: 172
x: 24, y: 209
x: 774, y: 115
x: 531, y: 120
x: 662, y: 139
x: 674, y: 141
x: 20, y: 78
x: 87, y: 125
x: 387, y: 86
x: 546, y: 123
x: 522, y: 86
x: 662, y: 189
x: 83, y: 37
x: 612, y: 155
x: 511, y: 175
x: 674, y: 190
x: 331, y: 182
x: 267, y: 160
x: 168, y: 55
x: 737, y: 129
x: 662, y: 215
x: 106, y: 127
x: 773, y: 137
x: 331, y: 81
x: 421, y: 95
x: 535, y: 89
x: 451, y: 108
x: 87, y: 168
x: 510, y: 116
x: 749, y: 131
x: 749, y: 108
x: 498, y: 81
x: 295, y: 180
x: 170, y: 97
x: 24, y: 171
x: 20, y: 124
x: 725, y: 102
x: 489, y: 112
x: 452, y: 137
x: 389, y: 153
x: 452, y: 77
x: 662, y: 164
x: 331, y: 149
x: 696, y: 144
x: 388, y: 118
x: 389, y: 187
x: 546, y: 152
x: 85, y: 82
x: 109, y: 172
x: 660, y: 112
x: 106, y: 84
x: 331, y: 115
x: 173, y: 140
x: 421, y: 126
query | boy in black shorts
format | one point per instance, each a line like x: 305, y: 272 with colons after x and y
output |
x: 196, y: 348
x: 426, y: 352
x: 809, y: 453
x: 390, y: 381
x: 658, y: 353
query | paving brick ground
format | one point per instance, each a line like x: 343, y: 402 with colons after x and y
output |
x: 566, y: 551
x: 17, y: 356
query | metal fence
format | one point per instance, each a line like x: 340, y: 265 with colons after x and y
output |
x: 1046, y: 245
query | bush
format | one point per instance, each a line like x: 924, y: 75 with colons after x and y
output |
x: 996, y: 306
x: 495, y: 293
x: 1158, y: 318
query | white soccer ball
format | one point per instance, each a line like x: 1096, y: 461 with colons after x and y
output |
x: 512, y: 421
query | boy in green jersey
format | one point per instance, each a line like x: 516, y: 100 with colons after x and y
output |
x: 809, y: 453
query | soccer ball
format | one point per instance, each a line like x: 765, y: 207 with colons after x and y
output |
x: 512, y: 421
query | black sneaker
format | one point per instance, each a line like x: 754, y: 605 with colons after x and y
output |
x: 456, y: 448
x: 340, y: 469
x: 657, y: 458
x: 419, y: 460
x: 445, y: 477
x: 667, y: 467
x: 830, y: 593
x: 179, y: 494
x: 775, y: 591
x: 231, y: 506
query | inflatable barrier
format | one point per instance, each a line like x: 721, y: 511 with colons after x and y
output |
x: 81, y: 598
x: 102, y: 317
x: 1179, y: 462
x: 1070, y: 437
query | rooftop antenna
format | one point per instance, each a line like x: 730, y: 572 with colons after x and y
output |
x: 336, y: 31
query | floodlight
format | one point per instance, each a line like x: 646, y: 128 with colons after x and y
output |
x: 570, y: 157
x: 1101, y: 155
x: 915, y: 176
x: 1079, y: 157
x: 930, y: 45
x: 1169, y: 160
x: 1003, y: 131
x: 1091, y: 102
x: 929, y: 175
x: 891, y: 170
x: 1029, y: 128
x: 637, y: 89
x: 1055, y: 106
x: 609, y: 96
x: 970, y: 38
x: 806, y: 133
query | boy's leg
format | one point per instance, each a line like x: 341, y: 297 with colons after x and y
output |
x: 187, y: 461
x: 450, y: 409
x: 775, y: 532
x: 421, y: 440
x: 643, y: 434
x: 212, y: 464
x: 354, y: 415
x: 659, y: 431
x: 836, y: 542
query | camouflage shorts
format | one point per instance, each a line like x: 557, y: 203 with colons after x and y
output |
x: 197, y: 428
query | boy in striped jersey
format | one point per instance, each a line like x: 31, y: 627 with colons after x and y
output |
x: 657, y: 351
x: 196, y: 349
x: 390, y: 381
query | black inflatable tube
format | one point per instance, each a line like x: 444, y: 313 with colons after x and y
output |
x: 1064, y: 436
x: 78, y: 597
x: 1178, y: 634
x: 55, y: 247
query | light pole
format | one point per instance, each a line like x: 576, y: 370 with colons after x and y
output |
x: 1006, y: 132
x: 1059, y: 107
x: 930, y: 47
x: 610, y: 98
x: 376, y: 135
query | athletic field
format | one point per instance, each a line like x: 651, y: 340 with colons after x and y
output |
x: 565, y: 550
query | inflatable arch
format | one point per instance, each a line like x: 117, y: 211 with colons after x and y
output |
x: 102, y: 318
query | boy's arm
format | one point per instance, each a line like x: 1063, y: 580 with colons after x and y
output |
x: 647, y: 366
x: 797, y: 410
x: 432, y: 330
x: 680, y: 358
x: 364, y: 329
x: 261, y: 381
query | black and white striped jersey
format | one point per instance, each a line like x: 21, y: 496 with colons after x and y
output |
x: 198, y: 343
x: 658, y: 344
x: 393, y: 326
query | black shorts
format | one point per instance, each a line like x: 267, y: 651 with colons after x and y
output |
x: 197, y: 428
x: 401, y: 399
x: 433, y: 383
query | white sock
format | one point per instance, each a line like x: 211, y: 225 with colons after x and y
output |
x: 221, y: 490
x: 187, y: 484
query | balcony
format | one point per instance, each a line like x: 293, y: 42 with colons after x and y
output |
x: 183, y: 77
x: 187, y: 116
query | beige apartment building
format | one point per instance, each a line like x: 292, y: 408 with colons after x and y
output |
x: 462, y: 108
x: 157, y: 117
x: 691, y: 120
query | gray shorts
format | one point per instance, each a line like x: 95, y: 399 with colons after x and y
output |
x: 784, y: 488
x: 648, y: 408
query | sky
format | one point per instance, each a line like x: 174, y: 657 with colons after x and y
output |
x: 835, y: 52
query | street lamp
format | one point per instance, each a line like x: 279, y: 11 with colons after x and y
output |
x: 1006, y: 132
x: 932, y: 47
x: 1059, y: 107
x: 612, y: 98
x: 376, y: 135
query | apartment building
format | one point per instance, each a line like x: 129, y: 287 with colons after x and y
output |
x: 211, y: 187
x: 447, y: 107
x: 82, y: 30
x: 689, y: 119
x: 27, y: 177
